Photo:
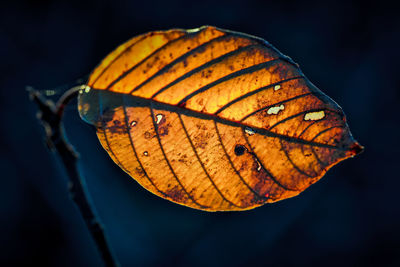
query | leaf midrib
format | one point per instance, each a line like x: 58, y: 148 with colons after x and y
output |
x: 142, y: 101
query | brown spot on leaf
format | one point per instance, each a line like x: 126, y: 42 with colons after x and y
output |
x: 243, y: 166
x: 184, y: 159
x: 206, y: 74
x: 176, y: 193
x: 148, y: 135
x: 139, y: 171
x: 201, y: 140
x: 163, y: 129
x: 107, y: 115
x: 116, y: 127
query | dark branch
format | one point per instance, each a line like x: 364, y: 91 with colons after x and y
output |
x: 50, y: 116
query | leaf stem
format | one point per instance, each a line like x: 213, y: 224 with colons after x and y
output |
x: 50, y: 115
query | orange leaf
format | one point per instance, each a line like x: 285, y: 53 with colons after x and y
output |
x: 213, y: 119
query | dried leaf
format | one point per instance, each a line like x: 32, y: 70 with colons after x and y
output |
x: 213, y: 119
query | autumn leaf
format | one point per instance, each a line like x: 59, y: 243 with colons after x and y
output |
x: 213, y: 119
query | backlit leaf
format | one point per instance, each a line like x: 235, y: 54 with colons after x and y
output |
x: 213, y: 119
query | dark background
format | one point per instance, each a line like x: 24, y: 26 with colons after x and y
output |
x: 349, y: 218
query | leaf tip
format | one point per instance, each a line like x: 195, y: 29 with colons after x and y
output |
x: 355, y: 149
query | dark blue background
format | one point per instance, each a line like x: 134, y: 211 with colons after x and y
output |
x: 351, y: 217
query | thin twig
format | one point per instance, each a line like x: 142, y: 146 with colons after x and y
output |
x: 50, y: 116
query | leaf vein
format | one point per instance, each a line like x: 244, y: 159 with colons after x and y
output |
x: 135, y: 153
x: 126, y: 73
x: 202, y: 67
x: 115, y: 59
x: 233, y: 167
x: 168, y: 163
x: 227, y: 105
x: 262, y: 165
x: 240, y: 72
x: 202, y: 165
x: 177, y: 60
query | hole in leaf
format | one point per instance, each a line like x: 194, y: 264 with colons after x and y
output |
x: 239, y: 150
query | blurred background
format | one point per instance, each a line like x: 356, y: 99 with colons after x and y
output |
x: 349, y: 218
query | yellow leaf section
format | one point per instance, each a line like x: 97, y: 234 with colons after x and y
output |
x: 110, y: 58
x: 208, y: 52
x: 127, y: 55
x: 211, y: 100
x: 247, y: 58
x: 162, y: 57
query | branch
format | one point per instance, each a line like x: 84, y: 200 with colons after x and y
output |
x: 50, y: 116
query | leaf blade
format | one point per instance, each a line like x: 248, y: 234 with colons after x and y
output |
x: 232, y: 130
